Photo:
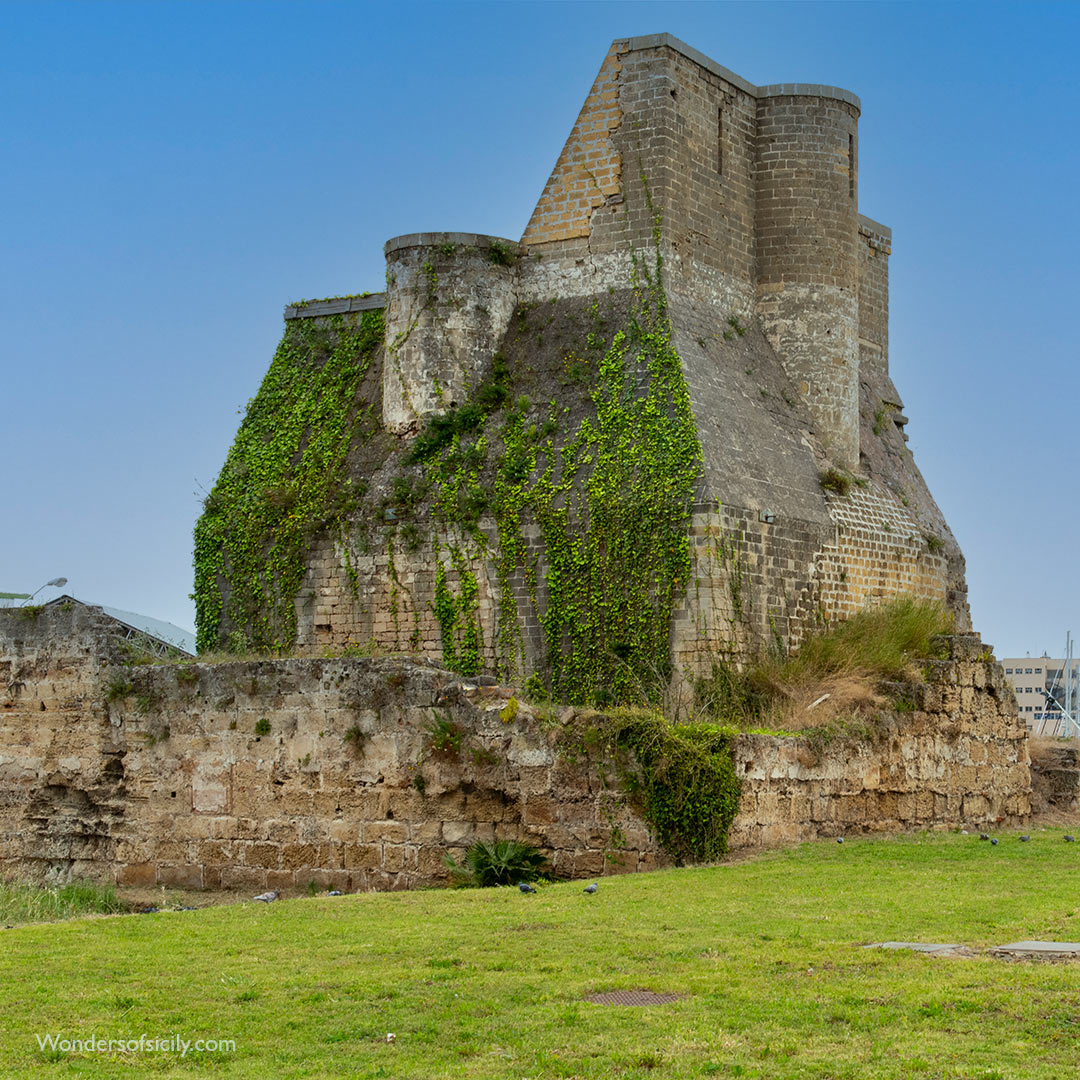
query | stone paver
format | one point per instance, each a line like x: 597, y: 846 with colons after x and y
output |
x: 1062, y: 949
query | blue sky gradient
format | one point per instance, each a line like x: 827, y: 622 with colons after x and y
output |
x: 175, y: 173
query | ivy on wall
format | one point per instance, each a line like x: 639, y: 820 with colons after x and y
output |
x: 612, y: 500
x: 681, y: 776
x: 284, y: 479
x: 456, y: 613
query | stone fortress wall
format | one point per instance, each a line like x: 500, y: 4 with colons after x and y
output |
x: 757, y: 193
x: 273, y: 774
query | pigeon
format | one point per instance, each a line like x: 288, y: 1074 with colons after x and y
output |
x: 590, y: 889
x: 1024, y: 839
x: 525, y: 887
x: 984, y: 836
x: 335, y: 892
x: 1070, y: 839
x: 268, y: 897
x: 839, y: 839
x: 150, y: 909
x: 994, y: 841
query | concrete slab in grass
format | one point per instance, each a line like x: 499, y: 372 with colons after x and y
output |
x: 931, y: 948
x: 1050, y: 950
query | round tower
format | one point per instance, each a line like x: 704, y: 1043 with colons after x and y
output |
x: 806, y: 232
x: 449, y: 298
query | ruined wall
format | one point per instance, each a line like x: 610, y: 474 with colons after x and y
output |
x: 262, y: 774
x: 958, y: 755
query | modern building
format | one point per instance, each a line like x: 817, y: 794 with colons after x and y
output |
x: 1040, y: 684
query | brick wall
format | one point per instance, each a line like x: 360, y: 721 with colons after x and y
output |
x: 589, y: 170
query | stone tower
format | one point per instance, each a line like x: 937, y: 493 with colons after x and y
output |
x: 806, y: 505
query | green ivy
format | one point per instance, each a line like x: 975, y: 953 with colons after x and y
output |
x: 612, y: 500
x: 457, y: 616
x: 681, y: 776
x: 284, y: 479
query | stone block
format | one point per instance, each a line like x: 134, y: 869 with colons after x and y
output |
x: 363, y: 856
x: 181, y: 877
x: 140, y: 875
x: 267, y: 856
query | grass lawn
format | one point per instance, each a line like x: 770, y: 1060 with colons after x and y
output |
x: 488, y: 983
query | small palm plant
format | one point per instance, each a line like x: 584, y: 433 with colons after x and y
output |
x: 505, y: 862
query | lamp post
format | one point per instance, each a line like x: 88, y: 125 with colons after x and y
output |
x: 57, y: 582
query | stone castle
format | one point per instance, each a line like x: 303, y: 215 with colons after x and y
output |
x: 776, y: 289
x: 655, y: 434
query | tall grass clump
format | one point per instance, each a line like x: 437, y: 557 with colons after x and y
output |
x: 884, y: 641
x: 836, y: 673
x: 25, y: 902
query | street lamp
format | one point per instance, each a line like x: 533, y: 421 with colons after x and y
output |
x: 57, y: 582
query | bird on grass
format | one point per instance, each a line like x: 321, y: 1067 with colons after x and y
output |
x: 334, y: 892
x: 525, y: 887
x: 1024, y: 839
x: 590, y: 889
x: 994, y: 841
x: 839, y: 839
x: 1070, y: 839
x: 984, y: 836
x: 268, y: 897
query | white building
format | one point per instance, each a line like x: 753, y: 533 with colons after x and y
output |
x: 1033, y: 678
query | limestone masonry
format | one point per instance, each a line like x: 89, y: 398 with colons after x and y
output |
x: 777, y: 292
x: 651, y: 437
x: 273, y: 774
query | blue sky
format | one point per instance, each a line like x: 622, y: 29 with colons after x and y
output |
x: 175, y: 173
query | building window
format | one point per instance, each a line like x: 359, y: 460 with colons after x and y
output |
x: 1008, y: 671
x: 1027, y: 671
x: 1038, y: 671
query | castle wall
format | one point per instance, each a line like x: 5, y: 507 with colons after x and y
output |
x: 273, y: 774
x: 807, y: 273
x: 875, y: 247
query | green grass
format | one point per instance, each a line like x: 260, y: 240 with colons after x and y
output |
x: 22, y: 902
x: 880, y: 641
x: 488, y: 984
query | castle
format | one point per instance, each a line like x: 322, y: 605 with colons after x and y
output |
x: 655, y: 435
x: 696, y: 308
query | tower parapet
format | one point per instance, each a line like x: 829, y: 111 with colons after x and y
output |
x: 449, y: 298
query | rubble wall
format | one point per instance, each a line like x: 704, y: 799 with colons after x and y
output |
x: 276, y: 773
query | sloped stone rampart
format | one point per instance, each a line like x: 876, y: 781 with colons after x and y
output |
x: 276, y: 773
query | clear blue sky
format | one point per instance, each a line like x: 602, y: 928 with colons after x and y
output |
x: 174, y: 173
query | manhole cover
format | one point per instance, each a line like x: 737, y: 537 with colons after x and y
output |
x: 631, y: 997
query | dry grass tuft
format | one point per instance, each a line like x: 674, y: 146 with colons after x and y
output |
x: 840, y: 668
